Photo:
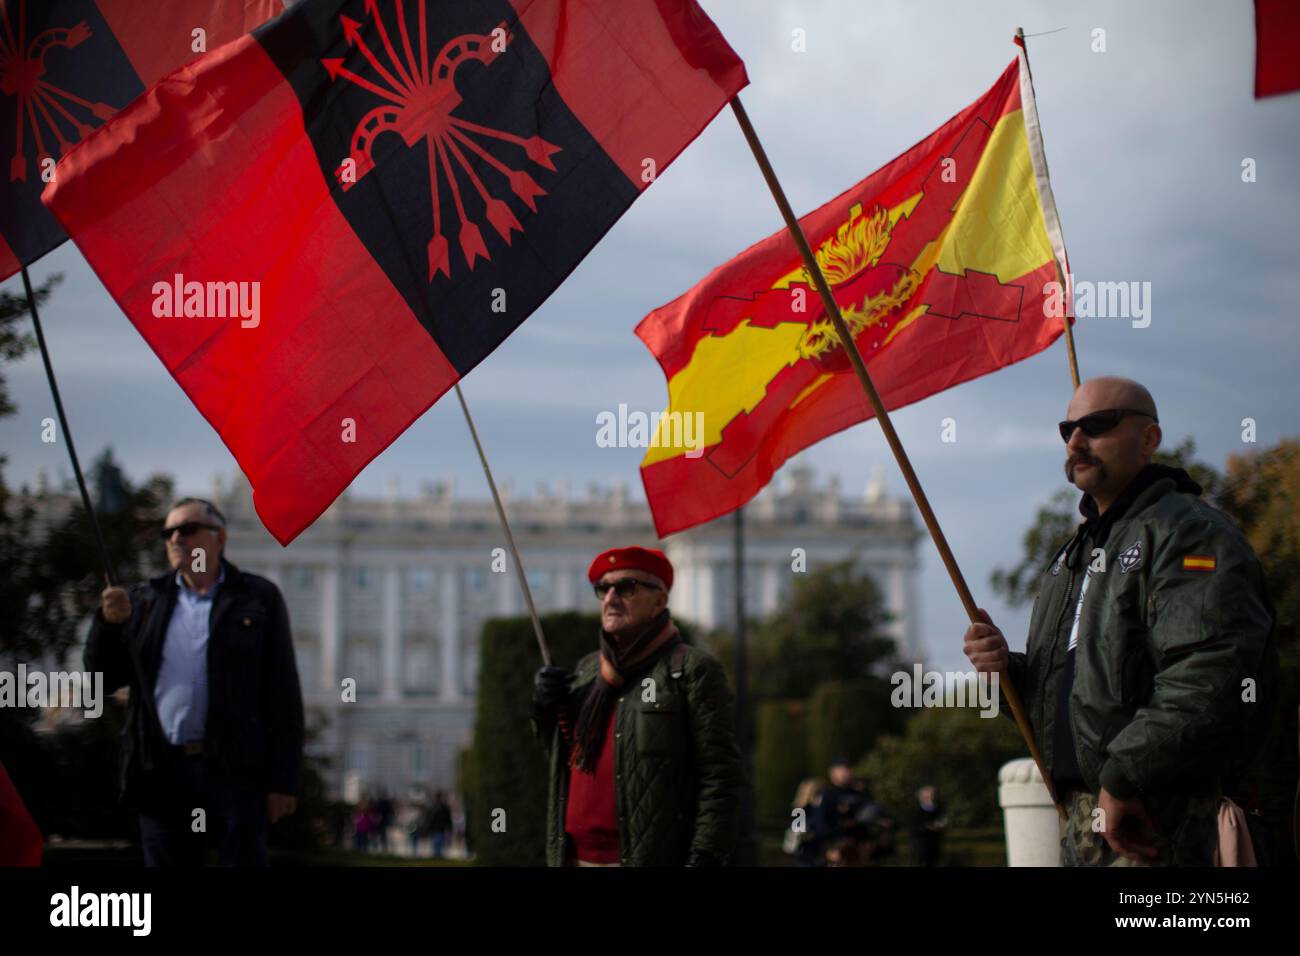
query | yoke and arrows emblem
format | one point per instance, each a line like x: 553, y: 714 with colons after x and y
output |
x: 421, y: 99
x: 41, y: 104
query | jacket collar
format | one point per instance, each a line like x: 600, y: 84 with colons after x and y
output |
x: 1144, y: 479
x: 1154, y: 481
x: 231, y: 579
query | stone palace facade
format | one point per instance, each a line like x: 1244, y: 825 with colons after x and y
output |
x: 393, y: 592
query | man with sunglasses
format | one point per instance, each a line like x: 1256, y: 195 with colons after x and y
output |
x: 1149, y: 669
x: 215, y: 719
x: 644, y: 765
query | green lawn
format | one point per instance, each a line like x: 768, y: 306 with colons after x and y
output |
x: 982, y: 846
x: 116, y: 853
x: 972, y: 846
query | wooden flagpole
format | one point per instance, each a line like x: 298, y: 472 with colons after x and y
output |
x: 510, y: 538
x: 886, y: 426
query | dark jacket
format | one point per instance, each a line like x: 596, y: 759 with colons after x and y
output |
x: 1164, y: 646
x: 677, y: 769
x: 254, y: 730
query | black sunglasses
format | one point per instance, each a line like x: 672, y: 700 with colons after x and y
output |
x: 1098, y: 423
x: 187, y: 529
x: 624, y: 588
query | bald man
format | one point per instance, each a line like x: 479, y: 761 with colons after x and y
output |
x: 1149, y: 662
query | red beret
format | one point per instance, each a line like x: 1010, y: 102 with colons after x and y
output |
x: 636, y: 559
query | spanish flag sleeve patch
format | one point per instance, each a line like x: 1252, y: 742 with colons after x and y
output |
x: 1198, y: 562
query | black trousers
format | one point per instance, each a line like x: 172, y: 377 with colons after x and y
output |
x: 173, y: 831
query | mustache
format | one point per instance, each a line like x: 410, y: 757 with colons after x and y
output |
x: 1078, y: 459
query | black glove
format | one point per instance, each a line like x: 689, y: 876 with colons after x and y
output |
x: 550, y: 687
x: 700, y: 858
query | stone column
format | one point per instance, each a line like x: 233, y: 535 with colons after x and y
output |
x: 704, y: 596
x: 392, y: 633
x: 450, y: 685
x: 509, y: 600
x: 912, y: 612
x: 566, y: 597
x: 771, y: 589
x: 331, y: 629
x: 896, y: 601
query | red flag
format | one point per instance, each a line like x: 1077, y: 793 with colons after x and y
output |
x: 940, y: 263
x: 378, y: 196
x: 66, y: 66
x: 1277, y: 47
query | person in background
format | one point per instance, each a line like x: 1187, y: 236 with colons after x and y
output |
x: 928, y: 826
x: 801, y: 839
x: 438, y: 823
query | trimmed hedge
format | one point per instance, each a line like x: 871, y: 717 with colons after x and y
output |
x: 506, y: 766
x: 780, y: 760
x: 846, y: 717
x: 953, y: 748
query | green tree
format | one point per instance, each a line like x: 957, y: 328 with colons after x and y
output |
x: 14, y: 343
x: 953, y: 748
x: 51, y: 566
x: 1261, y: 490
x: 51, y: 574
x: 829, y: 630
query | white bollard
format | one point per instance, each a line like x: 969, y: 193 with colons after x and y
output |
x: 1028, y: 816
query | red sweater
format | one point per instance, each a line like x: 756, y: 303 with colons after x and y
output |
x: 591, y: 814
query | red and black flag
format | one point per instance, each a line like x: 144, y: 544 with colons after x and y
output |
x: 321, y: 227
x: 66, y: 66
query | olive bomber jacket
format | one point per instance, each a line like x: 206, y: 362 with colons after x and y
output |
x: 676, y: 762
x: 1169, y: 635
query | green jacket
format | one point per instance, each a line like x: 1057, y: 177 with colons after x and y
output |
x: 676, y: 763
x: 1163, y: 650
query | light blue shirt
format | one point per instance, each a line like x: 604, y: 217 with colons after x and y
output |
x: 181, y: 690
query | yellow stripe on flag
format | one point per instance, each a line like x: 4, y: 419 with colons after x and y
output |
x: 1198, y: 562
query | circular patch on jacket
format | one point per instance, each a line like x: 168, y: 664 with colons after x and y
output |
x: 1130, y: 557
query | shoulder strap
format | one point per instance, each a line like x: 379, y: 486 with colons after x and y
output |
x: 677, y: 661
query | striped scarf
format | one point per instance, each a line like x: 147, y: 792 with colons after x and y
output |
x: 616, y: 666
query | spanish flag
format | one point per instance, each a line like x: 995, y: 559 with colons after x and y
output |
x: 947, y: 264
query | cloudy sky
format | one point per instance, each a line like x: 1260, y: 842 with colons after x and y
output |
x: 1146, y: 142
